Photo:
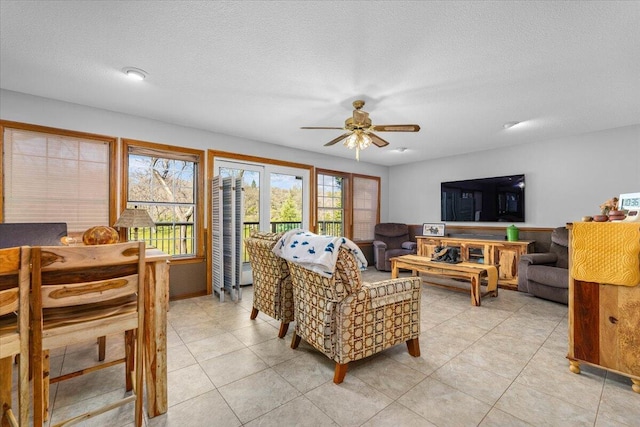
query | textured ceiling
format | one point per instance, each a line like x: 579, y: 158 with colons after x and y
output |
x: 260, y: 70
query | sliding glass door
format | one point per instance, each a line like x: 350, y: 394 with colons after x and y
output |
x: 276, y: 198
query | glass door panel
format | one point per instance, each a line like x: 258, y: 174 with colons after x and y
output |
x: 330, y: 205
x: 276, y: 198
x: 251, y: 217
x: 287, y: 204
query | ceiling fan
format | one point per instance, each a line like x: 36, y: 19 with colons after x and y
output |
x: 359, y: 129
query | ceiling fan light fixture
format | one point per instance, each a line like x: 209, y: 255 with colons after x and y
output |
x: 360, y: 131
x: 358, y: 140
x: 135, y: 73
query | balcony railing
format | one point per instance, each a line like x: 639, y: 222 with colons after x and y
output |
x: 178, y: 238
x: 333, y: 228
x: 330, y: 228
x: 172, y: 238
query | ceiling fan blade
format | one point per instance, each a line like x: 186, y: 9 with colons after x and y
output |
x: 395, y: 128
x: 377, y: 140
x: 319, y: 127
x: 338, y: 139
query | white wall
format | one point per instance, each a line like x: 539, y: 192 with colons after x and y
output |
x: 565, y: 178
x: 19, y: 107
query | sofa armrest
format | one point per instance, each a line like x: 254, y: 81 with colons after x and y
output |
x: 387, y: 292
x: 410, y: 245
x: 548, y: 258
x: 379, y: 244
x: 379, y: 248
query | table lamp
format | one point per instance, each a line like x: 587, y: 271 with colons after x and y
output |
x: 134, y: 218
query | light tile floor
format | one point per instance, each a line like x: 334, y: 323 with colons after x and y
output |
x: 501, y: 364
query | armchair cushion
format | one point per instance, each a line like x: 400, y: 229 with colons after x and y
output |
x: 393, y: 234
x: 550, y: 276
x: 412, y: 246
x: 540, y: 258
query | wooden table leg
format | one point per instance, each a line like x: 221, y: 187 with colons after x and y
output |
x: 475, y: 289
x: 394, y: 269
x: 6, y: 375
x: 155, y: 337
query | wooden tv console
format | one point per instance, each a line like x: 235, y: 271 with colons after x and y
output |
x: 502, y: 253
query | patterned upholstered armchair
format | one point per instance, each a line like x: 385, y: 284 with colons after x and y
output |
x: 272, y: 289
x: 347, y: 319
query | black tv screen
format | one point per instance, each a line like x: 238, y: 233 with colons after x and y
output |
x: 496, y: 199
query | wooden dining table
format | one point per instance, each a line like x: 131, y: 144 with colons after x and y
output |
x: 156, y: 304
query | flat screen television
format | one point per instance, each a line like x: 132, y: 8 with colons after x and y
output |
x: 496, y: 199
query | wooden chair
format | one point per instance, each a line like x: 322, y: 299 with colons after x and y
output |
x: 79, y: 292
x: 14, y: 331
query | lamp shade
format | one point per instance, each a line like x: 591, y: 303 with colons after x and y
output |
x: 134, y: 218
x: 358, y: 140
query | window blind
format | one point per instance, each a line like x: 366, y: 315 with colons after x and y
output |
x: 55, y: 178
x: 365, y: 208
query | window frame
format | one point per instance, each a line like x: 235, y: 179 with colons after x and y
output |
x: 348, y: 194
x: 218, y: 155
x: 199, y: 184
x: 346, y: 199
x: 112, y: 168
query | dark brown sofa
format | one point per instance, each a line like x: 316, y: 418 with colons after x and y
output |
x: 546, y: 275
x: 391, y: 239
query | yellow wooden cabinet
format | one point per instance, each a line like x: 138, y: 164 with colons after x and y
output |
x: 504, y: 254
x: 604, y: 315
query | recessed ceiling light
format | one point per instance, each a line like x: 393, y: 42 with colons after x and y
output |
x: 135, y: 73
x: 509, y: 125
x: 401, y: 149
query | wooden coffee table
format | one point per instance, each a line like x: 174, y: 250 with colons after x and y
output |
x: 464, y: 270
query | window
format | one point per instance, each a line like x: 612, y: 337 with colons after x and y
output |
x: 366, y: 213
x: 54, y: 175
x: 166, y: 181
x: 331, y: 196
x: 348, y: 205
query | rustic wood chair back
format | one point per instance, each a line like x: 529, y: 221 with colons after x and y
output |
x: 79, y: 292
x: 14, y: 331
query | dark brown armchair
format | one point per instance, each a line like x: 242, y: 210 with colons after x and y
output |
x: 391, y: 240
x: 546, y: 275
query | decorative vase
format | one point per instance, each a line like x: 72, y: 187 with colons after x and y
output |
x: 600, y: 218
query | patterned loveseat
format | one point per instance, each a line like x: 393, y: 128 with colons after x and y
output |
x: 347, y: 319
x: 272, y: 289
